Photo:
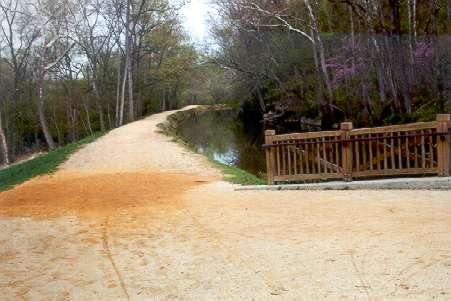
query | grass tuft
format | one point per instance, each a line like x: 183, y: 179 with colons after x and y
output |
x: 236, y: 175
x: 43, y: 164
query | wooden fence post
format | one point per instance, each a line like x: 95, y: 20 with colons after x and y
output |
x: 346, y: 155
x: 270, y: 160
x: 443, y: 145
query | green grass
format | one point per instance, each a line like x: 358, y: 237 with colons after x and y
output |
x: 235, y: 175
x: 44, y: 164
x: 231, y: 174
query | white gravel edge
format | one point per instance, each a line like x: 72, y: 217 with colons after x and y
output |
x: 429, y: 183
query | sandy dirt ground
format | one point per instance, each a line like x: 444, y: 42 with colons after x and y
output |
x: 135, y: 216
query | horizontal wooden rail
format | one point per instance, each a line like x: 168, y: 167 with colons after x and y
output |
x: 410, y: 149
x: 302, y: 142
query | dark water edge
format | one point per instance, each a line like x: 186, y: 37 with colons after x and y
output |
x: 226, y: 135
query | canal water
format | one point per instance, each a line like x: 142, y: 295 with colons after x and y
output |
x: 225, y: 136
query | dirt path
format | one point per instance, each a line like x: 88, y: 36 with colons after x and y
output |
x: 138, y: 147
x: 134, y: 216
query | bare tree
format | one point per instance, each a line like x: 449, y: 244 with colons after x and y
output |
x: 277, y: 17
x: 49, y: 51
x: 93, y: 38
x: 19, y: 38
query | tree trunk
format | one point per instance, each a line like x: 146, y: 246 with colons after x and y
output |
x: 378, y: 57
x: 163, y: 101
x: 131, y: 103
x: 194, y: 99
x: 3, y: 142
x: 88, y: 118
x: 99, y: 105
x: 320, y: 94
x: 137, y: 82
x: 351, y: 21
x: 322, y: 58
x: 41, y: 113
x: 110, y: 121
x: 318, y: 44
x: 75, y: 123
x: 55, y: 124
x: 128, y: 65
x: 84, y: 127
x: 122, y: 104
x: 118, y: 94
x: 367, y: 100
x: 440, y: 74
x: 415, y: 20
x: 410, y: 8
x: 69, y: 121
x: 405, y: 87
x: 387, y: 55
x: 396, y: 19
x: 380, y: 80
x: 261, y: 101
x: 399, y: 55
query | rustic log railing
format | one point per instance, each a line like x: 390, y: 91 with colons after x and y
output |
x: 421, y: 148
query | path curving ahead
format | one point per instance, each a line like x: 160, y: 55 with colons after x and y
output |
x: 138, y: 146
x: 134, y: 216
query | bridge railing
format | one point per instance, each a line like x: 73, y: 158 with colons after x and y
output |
x: 421, y: 148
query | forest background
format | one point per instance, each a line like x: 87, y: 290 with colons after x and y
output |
x: 69, y: 68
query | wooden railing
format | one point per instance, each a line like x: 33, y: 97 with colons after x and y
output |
x: 412, y: 149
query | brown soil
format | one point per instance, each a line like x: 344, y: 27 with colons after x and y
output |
x: 93, y: 195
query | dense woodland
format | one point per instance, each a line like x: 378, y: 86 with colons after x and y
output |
x: 69, y: 68
x: 367, y: 61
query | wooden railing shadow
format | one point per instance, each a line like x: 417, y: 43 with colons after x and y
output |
x: 421, y: 148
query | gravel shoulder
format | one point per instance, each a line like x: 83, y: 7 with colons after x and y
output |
x: 135, y: 216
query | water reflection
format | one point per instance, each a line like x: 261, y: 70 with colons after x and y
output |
x: 223, y: 136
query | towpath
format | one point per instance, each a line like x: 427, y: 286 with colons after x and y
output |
x: 135, y: 216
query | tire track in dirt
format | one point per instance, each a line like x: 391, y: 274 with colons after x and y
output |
x: 100, y: 198
x: 109, y: 255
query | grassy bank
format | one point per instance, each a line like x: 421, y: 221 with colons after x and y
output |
x: 231, y: 174
x: 44, y: 164
x: 236, y: 175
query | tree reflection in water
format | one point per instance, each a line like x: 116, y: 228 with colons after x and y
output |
x: 223, y: 136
